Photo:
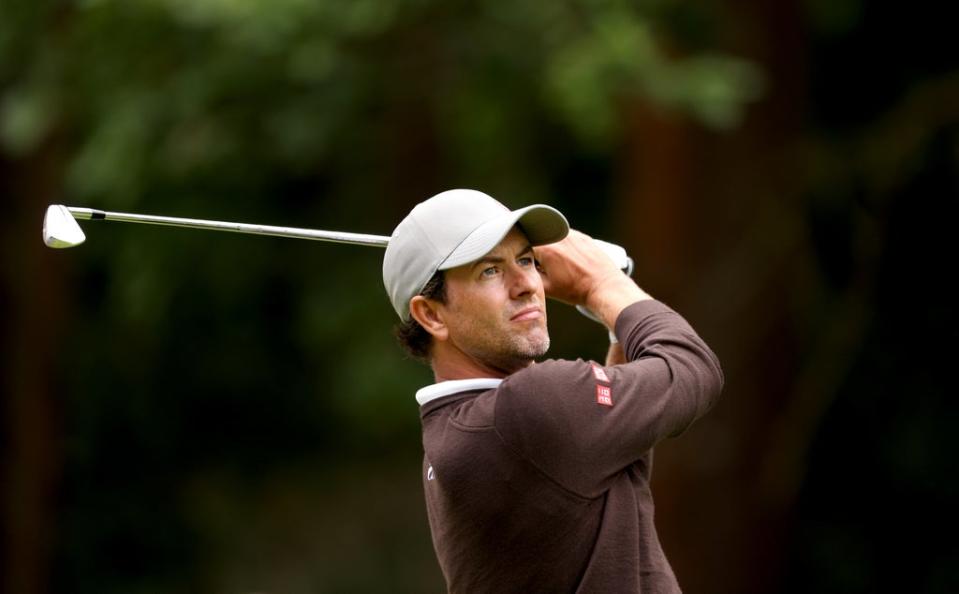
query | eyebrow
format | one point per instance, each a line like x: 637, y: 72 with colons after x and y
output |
x: 497, y: 259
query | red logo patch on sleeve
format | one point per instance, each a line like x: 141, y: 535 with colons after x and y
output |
x: 600, y: 373
x: 604, y: 395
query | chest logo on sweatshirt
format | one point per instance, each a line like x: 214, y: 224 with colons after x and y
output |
x: 604, y: 395
x: 600, y: 374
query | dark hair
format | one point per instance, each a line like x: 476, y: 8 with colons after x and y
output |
x: 413, y: 337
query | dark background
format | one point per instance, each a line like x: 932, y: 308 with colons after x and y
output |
x: 189, y: 411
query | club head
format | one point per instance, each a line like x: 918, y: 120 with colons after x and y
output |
x: 60, y: 229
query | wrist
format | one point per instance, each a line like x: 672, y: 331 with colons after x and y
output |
x: 609, y: 297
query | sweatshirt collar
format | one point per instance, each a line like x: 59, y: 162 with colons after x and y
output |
x: 450, y: 387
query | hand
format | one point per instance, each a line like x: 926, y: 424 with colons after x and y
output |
x: 577, y: 271
x: 571, y: 268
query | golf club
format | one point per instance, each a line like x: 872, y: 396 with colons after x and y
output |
x: 60, y: 230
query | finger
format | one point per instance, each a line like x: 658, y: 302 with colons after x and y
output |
x: 544, y: 275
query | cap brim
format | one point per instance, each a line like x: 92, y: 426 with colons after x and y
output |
x: 540, y: 223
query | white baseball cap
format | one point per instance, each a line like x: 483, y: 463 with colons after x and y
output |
x: 453, y: 228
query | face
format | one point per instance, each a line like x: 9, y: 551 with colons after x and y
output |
x: 495, y: 307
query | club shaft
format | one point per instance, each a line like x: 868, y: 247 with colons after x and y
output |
x: 91, y: 214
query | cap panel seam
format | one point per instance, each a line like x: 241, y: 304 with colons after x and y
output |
x: 470, y: 234
x: 424, y: 234
x: 457, y: 246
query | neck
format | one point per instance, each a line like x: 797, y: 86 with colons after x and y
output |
x: 450, y: 363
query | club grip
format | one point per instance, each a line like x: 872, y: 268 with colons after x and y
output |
x: 618, y: 255
x: 622, y: 260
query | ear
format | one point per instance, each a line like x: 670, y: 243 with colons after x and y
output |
x: 427, y: 314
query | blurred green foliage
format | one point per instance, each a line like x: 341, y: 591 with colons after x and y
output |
x: 169, y: 92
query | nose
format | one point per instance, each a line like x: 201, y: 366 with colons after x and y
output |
x: 524, y: 282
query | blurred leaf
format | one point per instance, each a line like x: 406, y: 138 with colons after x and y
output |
x: 25, y: 118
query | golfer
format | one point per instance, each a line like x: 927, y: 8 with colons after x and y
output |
x: 537, y: 473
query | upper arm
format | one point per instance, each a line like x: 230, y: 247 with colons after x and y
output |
x: 582, y: 427
x: 582, y: 430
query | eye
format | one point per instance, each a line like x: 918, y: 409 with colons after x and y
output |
x: 526, y: 261
x: 488, y: 272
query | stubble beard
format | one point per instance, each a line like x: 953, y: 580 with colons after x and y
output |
x: 511, y: 351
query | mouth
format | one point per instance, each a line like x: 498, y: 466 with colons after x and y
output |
x: 527, y: 313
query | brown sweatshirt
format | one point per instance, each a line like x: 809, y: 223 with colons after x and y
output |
x: 540, y: 482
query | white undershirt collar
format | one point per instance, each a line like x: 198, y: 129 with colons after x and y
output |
x: 434, y: 391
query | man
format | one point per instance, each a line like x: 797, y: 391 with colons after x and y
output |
x: 537, y: 474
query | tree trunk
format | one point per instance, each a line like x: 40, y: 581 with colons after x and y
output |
x: 718, y: 236
x: 34, y: 313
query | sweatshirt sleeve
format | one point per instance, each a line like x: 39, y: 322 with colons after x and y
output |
x: 581, y: 423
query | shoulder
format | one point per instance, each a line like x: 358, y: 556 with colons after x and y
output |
x: 547, y: 377
x: 546, y: 396
x: 550, y: 369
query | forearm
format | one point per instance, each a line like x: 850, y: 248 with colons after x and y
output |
x: 615, y: 355
x: 612, y: 295
x: 654, y: 331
